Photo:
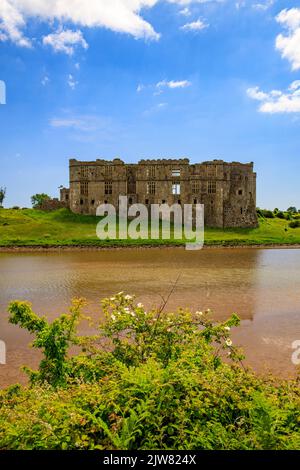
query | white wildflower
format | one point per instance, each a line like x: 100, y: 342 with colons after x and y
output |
x: 126, y: 310
x: 113, y: 318
x: 140, y: 305
x: 128, y: 297
x: 199, y: 314
x: 227, y: 328
x: 228, y: 342
x: 120, y: 293
x: 112, y: 299
x: 132, y: 314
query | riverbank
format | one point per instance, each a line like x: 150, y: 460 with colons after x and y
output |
x: 36, y: 230
x: 79, y: 248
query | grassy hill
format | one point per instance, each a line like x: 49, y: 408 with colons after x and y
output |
x: 31, y: 227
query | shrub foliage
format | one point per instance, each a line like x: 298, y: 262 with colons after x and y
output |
x: 145, y: 380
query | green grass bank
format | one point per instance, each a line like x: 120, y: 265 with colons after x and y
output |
x: 34, y: 228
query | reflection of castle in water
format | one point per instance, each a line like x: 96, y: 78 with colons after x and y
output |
x: 223, y: 280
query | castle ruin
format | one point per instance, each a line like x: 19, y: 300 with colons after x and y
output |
x: 227, y: 190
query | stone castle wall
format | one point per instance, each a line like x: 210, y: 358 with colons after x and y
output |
x: 227, y: 190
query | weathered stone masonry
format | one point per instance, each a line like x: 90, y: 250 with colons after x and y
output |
x: 227, y: 190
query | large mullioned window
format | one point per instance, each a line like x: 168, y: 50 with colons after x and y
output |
x: 212, y: 187
x: 84, y: 188
x: 176, y: 189
x: 196, y: 187
x: 108, y: 187
x: 151, y: 187
x: 151, y: 171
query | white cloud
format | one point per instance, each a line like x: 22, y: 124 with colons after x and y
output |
x: 185, y: 12
x: 263, y: 6
x: 173, y: 84
x: 45, y: 80
x: 155, y: 109
x: 289, y: 44
x: 123, y: 16
x: 277, y: 101
x: 65, y: 41
x: 198, y: 25
x: 83, y: 123
x: 72, y: 82
x: 140, y: 88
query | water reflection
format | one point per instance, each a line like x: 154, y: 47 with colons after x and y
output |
x: 262, y: 286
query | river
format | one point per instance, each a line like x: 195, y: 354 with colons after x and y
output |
x: 261, y: 285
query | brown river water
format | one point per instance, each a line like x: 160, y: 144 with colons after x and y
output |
x: 261, y: 285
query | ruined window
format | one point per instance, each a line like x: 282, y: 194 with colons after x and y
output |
x: 108, y: 187
x: 84, y: 171
x: 211, y: 171
x: 67, y: 197
x: 212, y: 187
x: 163, y: 201
x: 240, y: 192
x: 196, y: 185
x: 81, y: 202
x: 93, y: 202
x: 242, y: 211
x: 176, y: 189
x: 84, y: 188
x: 146, y: 202
x: 130, y: 200
x: 195, y: 201
x: 151, y: 187
x: 151, y: 171
x: 176, y: 173
x: 108, y: 171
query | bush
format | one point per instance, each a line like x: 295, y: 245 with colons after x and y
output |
x: 294, y: 224
x: 265, y: 213
x: 146, y: 380
x: 280, y: 215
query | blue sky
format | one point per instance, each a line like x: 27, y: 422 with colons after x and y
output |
x: 149, y: 78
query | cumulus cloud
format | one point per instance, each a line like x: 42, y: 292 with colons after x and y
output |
x: 289, y: 44
x: 123, y: 16
x: 119, y: 15
x: 65, y: 41
x: 198, y: 25
x: 277, y: 101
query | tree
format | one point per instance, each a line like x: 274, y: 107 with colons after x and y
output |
x: 2, y: 195
x: 293, y: 210
x: 38, y: 199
